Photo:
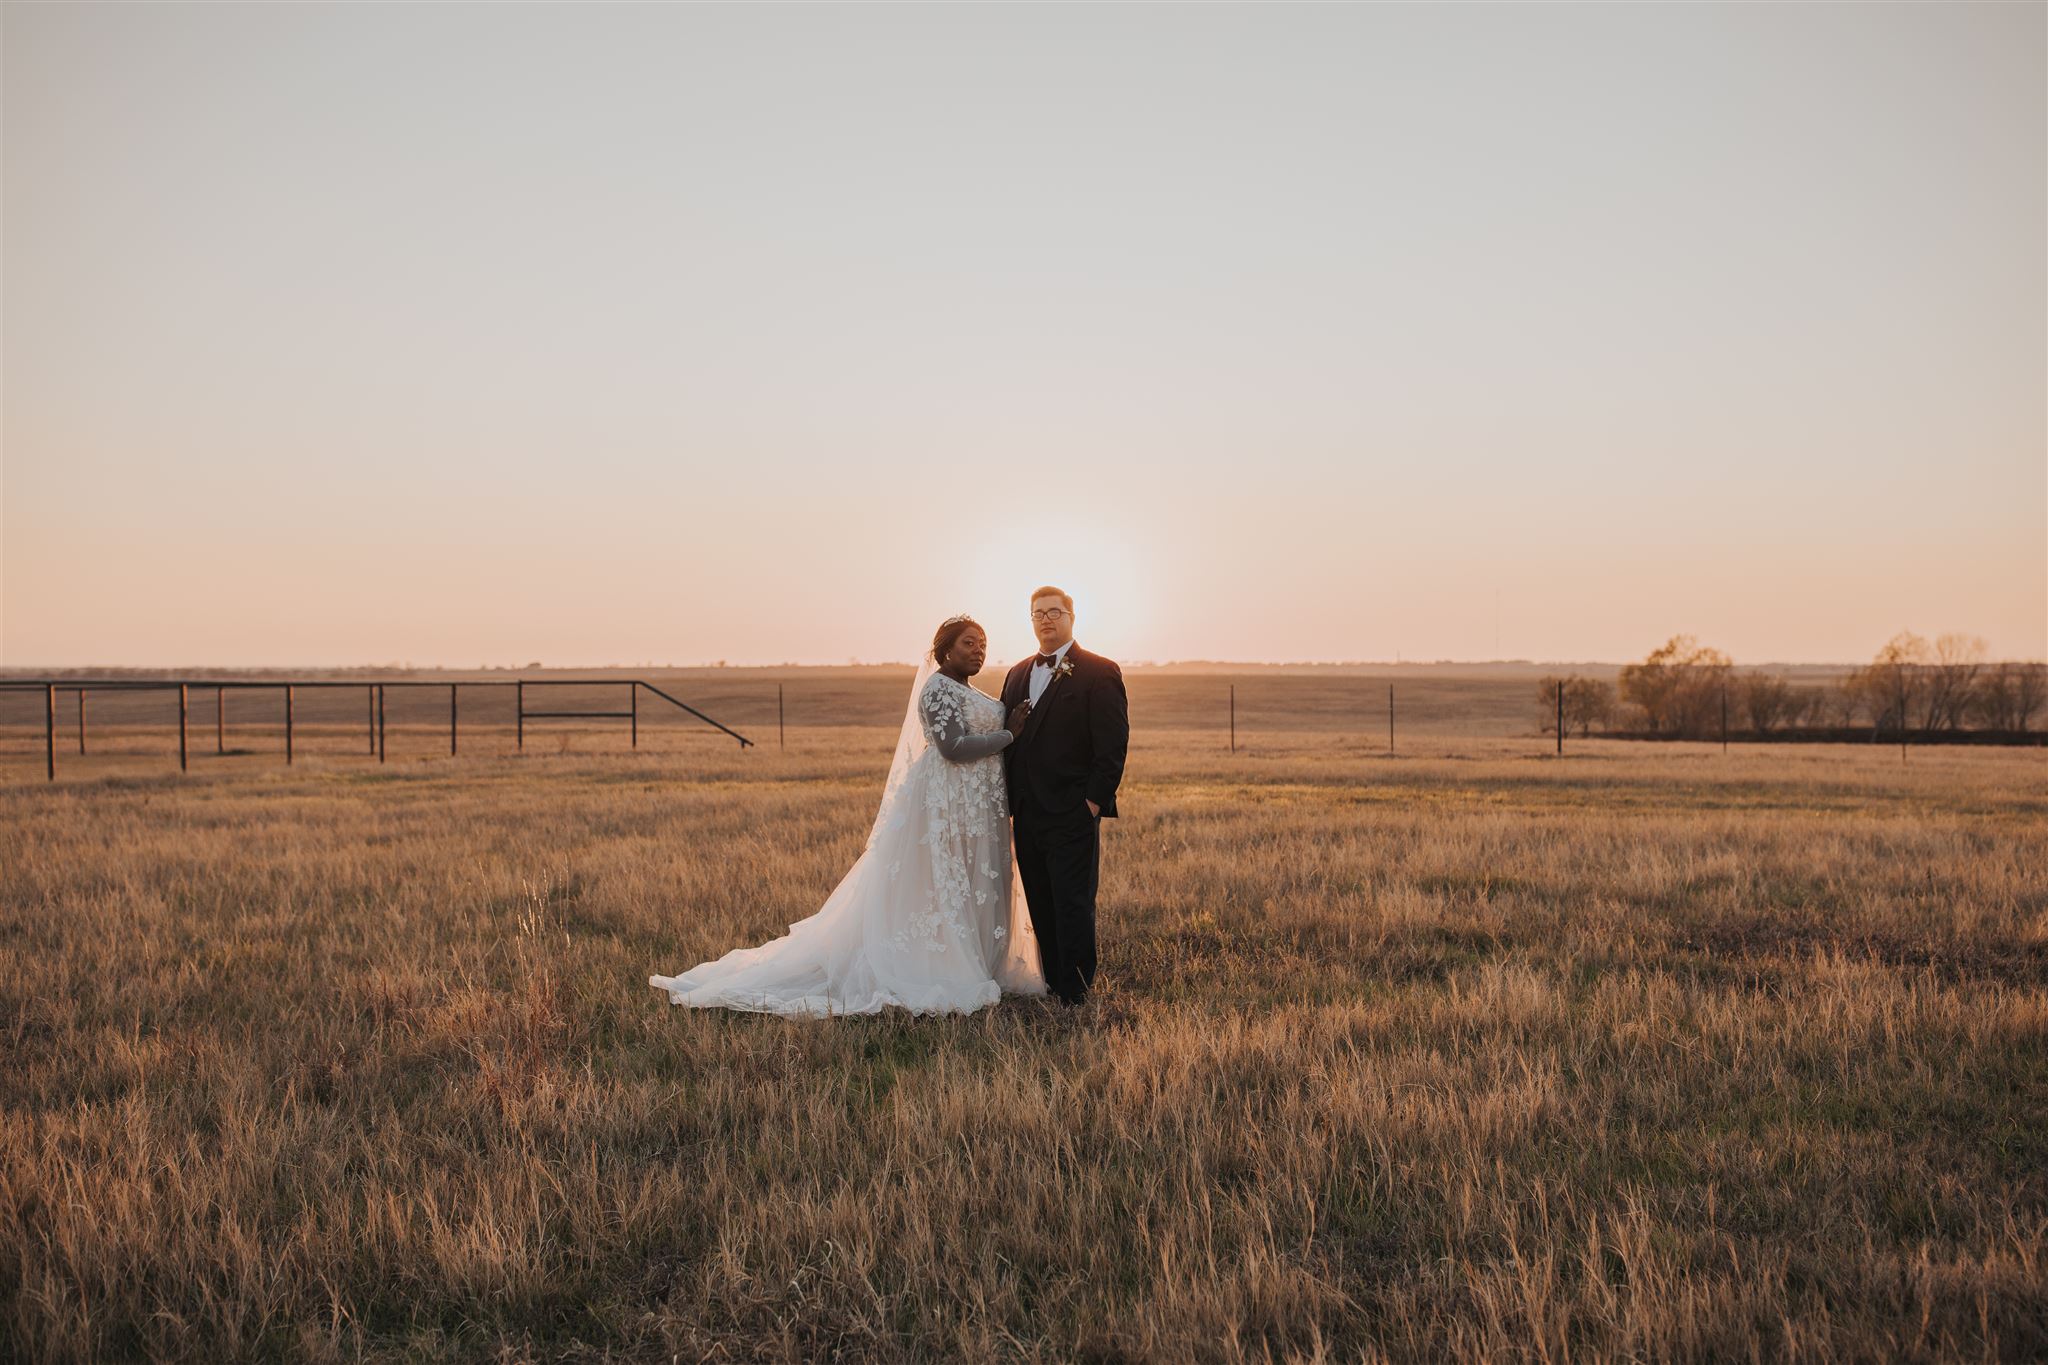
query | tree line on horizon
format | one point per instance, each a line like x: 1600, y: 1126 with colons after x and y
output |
x: 1686, y: 690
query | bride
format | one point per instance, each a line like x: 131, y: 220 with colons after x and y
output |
x: 931, y: 916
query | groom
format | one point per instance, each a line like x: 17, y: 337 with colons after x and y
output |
x: 1062, y: 774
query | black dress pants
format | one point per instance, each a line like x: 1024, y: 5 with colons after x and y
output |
x: 1058, y: 856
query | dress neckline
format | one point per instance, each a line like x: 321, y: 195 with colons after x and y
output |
x: 967, y: 687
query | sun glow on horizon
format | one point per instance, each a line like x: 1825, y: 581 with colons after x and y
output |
x: 1102, y: 567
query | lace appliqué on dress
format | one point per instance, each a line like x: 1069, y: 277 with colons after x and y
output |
x: 966, y: 806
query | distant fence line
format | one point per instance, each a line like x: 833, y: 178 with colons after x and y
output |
x: 374, y: 716
x: 1559, y: 691
x: 1555, y: 724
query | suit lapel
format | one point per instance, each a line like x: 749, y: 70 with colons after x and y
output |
x: 1031, y: 721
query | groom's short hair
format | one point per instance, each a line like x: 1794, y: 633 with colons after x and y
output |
x: 1065, y: 600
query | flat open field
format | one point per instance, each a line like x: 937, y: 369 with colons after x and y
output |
x: 1643, y: 1053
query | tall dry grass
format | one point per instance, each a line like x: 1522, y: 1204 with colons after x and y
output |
x: 1638, y: 1054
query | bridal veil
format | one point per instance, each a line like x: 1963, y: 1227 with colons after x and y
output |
x: 894, y: 931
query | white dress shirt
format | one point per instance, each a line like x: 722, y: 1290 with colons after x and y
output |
x: 1041, y: 674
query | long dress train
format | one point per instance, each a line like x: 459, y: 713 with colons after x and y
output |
x: 931, y: 916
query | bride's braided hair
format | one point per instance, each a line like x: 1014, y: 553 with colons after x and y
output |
x: 951, y: 629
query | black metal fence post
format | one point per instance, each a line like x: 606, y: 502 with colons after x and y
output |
x: 1233, y: 718
x: 380, y: 722
x: 520, y: 698
x: 181, y: 727
x: 220, y: 721
x: 81, y: 721
x: 50, y: 729
x: 1560, y: 715
x: 451, y: 720
x: 633, y: 694
x: 288, y: 700
x: 370, y: 724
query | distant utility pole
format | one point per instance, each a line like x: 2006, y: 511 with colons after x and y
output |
x: 1902, y: 713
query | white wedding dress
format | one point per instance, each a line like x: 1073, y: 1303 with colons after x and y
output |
x: 931, y: 917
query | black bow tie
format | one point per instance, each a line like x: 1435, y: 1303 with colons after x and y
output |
x: 1048, y: 659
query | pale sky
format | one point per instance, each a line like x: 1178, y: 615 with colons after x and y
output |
x: 462, y: 334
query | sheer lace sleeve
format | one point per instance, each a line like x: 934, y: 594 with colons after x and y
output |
x: 945, y: 723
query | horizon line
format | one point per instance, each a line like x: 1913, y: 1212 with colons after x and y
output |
x: 733, y: 666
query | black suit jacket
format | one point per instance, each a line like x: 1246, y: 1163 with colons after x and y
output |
x: 1073, y: 744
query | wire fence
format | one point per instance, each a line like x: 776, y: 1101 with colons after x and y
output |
x: 52, y: 723
x: 132, y: 700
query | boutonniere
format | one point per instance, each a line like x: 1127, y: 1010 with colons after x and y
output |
x: 1066, y: 666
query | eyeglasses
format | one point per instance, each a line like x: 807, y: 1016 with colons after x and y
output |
x: 1053, y: 615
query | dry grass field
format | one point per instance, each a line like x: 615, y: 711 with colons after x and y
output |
x: 1645, y: 1053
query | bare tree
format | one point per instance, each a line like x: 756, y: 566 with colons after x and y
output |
x: 2030, y: 692
x: 2008, y: 695
x: 1811, y: 705
x: 1769, y: 701
x: 1587, y: 702
x: 1678, y: 687
x: 1843, y: 704
x: 1891, y: 688
x: 1952, y: 679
